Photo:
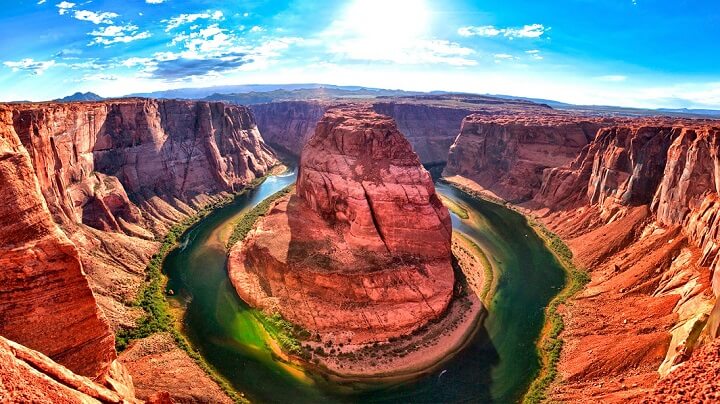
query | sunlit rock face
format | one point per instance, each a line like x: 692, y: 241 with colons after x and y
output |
x: 45, y: 301
x: 362, y: 250
x: 507, y: 153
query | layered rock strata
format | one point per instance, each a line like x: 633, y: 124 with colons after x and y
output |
x: 638, y: 209
x: 361, y: 253
x: 507, y: 153
x: 89, y: 188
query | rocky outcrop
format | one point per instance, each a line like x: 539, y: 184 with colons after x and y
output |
x: 45, y: 301
x: 507, y: 154
x: 27, y: 376
x: 361, y: 253
x: 638, y: 208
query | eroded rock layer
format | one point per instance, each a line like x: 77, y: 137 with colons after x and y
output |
x: 90, y: 188
x: 637, y: 207
x: 507, y: 153
x: 45, y: 300
x: 362, y: 250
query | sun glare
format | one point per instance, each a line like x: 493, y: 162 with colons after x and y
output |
x: 397, y: 20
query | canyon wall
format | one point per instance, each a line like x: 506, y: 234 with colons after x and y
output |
x: 637, y: 206
x: 88, y: 190
x: 46, y: 303
x: 361, y: 253
x: 431, y: 129
x: 507, y: 154
x: 117, y: 174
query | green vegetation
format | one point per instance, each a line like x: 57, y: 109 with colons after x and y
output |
x: 287, y: 334
x: 487, y: 268
x: 455, y: 207
x: 551, y: 344
x: 247, y: 221
x: 157, y: 317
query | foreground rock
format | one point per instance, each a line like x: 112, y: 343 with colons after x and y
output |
x: 362, y: 252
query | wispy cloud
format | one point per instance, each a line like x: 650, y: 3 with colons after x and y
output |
x: 154, y: 1
x: 117, y: 34
x: 188, y: 18
x: 534, y: 54
x: 614, y: 78
x: 526, y: 31
x: 30, y: 65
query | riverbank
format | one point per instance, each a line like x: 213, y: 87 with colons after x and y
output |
x: 550, y: 343
x: 159, y: 316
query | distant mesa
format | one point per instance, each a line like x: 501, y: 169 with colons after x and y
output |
x: 89, y: 96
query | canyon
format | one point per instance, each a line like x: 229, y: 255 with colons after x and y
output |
x: 89, y: 190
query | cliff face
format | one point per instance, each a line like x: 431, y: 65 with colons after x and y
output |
x: 117, y: 174
x: 288, y: 124
x: 45, y: 301
x: 639, y: 209
x: 507, y: 154
x: 430, y: 129
x: 362, y: 251
x: 88, y: 188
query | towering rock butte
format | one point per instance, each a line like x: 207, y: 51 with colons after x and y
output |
x: 507, y: 153
x: 362, y: 250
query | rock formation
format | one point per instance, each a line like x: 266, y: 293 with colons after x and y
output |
x: 288, y: 125
x: 45, y: 301
x: 89, y: 188
x: 637, y: 207
x: 507, y: 153
x: 362, y: 250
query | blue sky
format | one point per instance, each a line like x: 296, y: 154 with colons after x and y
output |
x: 646, y: 53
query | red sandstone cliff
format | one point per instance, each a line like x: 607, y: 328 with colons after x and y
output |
x: 508, y: 153
x: 114, y: 176
x: 362, y: 251
x: 638, y: 210
x: 637, y: 206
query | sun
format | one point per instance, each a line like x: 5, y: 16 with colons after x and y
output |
x: 396, y: 20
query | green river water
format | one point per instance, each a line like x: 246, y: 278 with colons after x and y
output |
x: 496, y: 366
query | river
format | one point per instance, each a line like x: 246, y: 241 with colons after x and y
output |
x: 496, y: 366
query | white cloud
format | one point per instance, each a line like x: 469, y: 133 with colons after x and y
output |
x: 41, y: 2
x: 117, y: 34
x: 257, y: 28
x: 534, y: 54
x: 188, y: 18
x: 526, y: 31
x: 154, y: 1
x: 504, y: 56
x: 64, y: 6
x: 615, y: 78
x: 95, y: 18
x: 30, y: 65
